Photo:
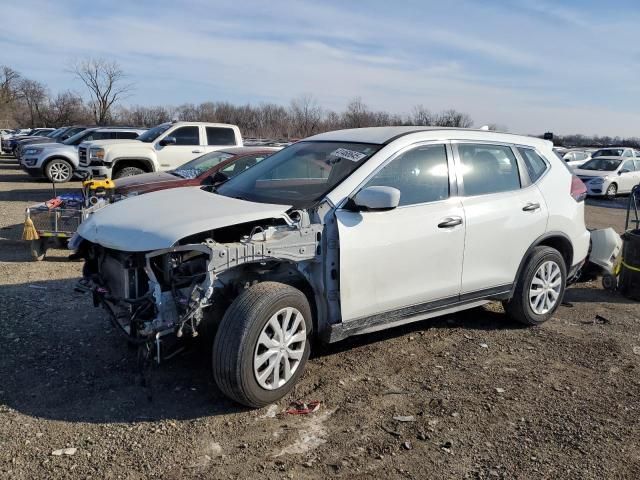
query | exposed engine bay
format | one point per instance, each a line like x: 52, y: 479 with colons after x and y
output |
x: 152, y: 294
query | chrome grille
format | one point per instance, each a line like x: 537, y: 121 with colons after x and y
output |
x: 82, y: 156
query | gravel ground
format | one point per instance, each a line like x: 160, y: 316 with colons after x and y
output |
x: 481, y: 396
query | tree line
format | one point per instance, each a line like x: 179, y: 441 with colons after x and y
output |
x: 29, y: 103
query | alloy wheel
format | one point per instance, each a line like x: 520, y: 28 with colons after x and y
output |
x: 59, y: 171
x: 545, y: 288
x: 280, y: 348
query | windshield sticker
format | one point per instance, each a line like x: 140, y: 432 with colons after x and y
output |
x: 189, y: 173
x: 348, y: 154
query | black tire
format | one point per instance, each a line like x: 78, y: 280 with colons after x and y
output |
x: 59, y: 170
x: 38, y: 249
x: 612, y: 191
x: 519, y: 307
x: 128, y: 172
x: 237, y: 337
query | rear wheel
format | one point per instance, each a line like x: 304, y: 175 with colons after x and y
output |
x: 612, y: 191
x: 262, y: 344
x: 128, y: 172
x: 540, y: 288
x: 59, y: 171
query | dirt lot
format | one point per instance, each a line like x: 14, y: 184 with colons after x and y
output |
x: 488, y: 399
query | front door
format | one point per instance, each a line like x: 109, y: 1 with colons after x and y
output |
x: 410, y: 256
x: 187, y: 147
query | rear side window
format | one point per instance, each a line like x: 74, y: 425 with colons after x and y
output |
x: 186, y: 135
x: 220, y: 136
x: 126, y: 135
x: 488, y: 169
x: 536, y: 166
x: 421, y: 174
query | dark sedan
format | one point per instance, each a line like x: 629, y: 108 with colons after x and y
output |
x: 204, y: 170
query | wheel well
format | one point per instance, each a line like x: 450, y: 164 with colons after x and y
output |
x: 133, y: 162
x: 284, y: 272
x: 562, y: 244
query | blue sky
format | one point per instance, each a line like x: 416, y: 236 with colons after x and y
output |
x: 531, y: 65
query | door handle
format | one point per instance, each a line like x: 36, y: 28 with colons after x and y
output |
x: 531, y: 207
x: 450, y: 222
x: 196, y: 151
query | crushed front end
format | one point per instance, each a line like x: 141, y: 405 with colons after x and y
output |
x: 168, y: 292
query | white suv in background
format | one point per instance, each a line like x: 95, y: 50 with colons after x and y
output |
x: 343, y: 233
x: 163, y: 147
x: 59, y: 161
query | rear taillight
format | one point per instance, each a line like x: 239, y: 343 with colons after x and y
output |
x: 578, y: 189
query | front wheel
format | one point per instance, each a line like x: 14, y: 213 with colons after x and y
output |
x: 128, y: 172
x: 59, y: 171
x: 540, y: 288
x: 262, y: 344
x: 612, y: 191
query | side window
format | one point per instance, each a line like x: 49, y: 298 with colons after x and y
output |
x: 220, y: 136
x: 637, y: 163
x: 421, y: 175
x: 627, y: 153
x: 488, y: 169
x: 126, y: 135
x: 241, y: 165
x: 186, y: 135
x: 628, y: 165
x: 536, y: 166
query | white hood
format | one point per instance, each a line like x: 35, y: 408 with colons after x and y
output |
x: 159, y: 219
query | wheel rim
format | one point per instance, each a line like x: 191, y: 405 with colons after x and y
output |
x: 612, y: 190
x: 280, y: 348
x: 546, y: 284
x: 59, y: 171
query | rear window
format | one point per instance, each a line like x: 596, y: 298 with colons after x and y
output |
x: 220, y: 136
x: 536, y: 166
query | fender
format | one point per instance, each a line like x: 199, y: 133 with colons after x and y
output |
x: 541, y: 240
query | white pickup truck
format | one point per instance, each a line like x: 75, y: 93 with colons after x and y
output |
x: 163, y: 147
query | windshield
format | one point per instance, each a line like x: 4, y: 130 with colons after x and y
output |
x: 153, y: 133
x: 199, y: 165
x: 602, y: 165
x: 608, y: 152
x: 300, y: 175
x: 77, y: 138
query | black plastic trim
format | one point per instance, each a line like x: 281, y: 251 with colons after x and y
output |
x: 340, y: 331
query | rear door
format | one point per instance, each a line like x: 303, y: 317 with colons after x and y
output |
x: 219, y: 137
x: 504, y: 210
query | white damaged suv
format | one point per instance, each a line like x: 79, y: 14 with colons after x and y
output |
x: 343, y: 233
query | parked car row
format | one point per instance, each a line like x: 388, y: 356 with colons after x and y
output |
x: 259, y: 255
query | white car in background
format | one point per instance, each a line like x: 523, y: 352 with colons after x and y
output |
x: 622, y: 152
x: 343, y: 233
x: 609, y: 176
x: 577, y: 157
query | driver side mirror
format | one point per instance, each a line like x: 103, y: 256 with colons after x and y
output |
x: 377, y: 199
x: 168, y: 141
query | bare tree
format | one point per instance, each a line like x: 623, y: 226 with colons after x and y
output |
x: 357, y: 114
x: 421, y: 116
x: 453, y: 118
x: 34, y: 96
x: 106, y: 82
x: 305, y: 115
